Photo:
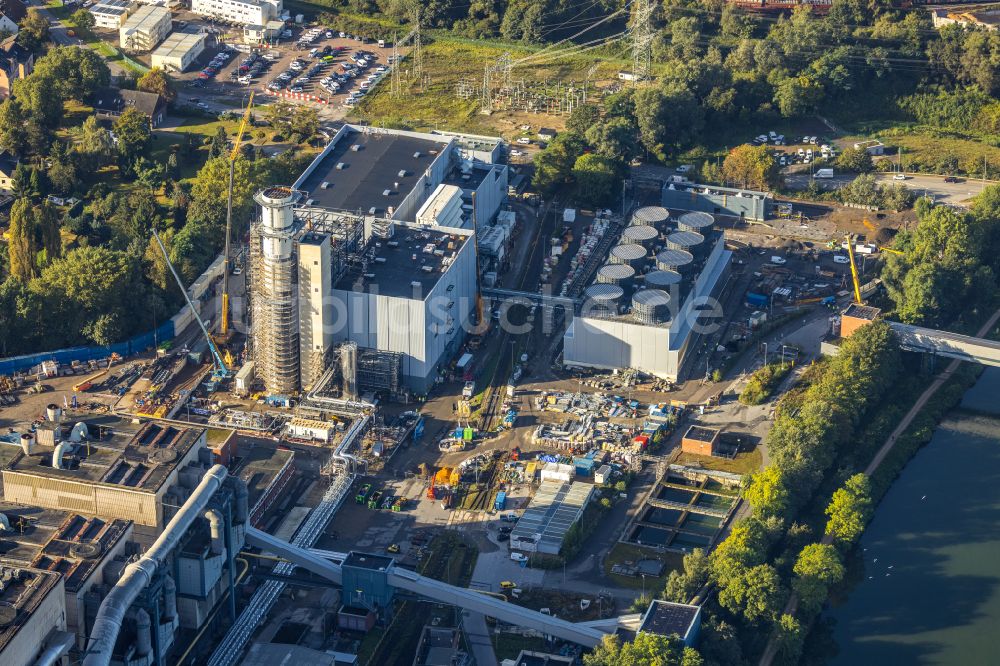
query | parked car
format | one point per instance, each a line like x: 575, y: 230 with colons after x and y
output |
x: 519, y: 557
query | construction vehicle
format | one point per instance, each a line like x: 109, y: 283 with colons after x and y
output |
x: 224, y: 320
x: 854, y: 270
x: 375, y: 500
x: 362, y: 496
x: 221, y: 370
x: 89, y: 382
x: 889, y: 250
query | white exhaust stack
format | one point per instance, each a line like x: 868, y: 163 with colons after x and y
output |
x: 53, y: 413
x: 215, y: 525
x: 27, y: 444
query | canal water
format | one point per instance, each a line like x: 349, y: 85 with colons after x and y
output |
x: 930, y: 588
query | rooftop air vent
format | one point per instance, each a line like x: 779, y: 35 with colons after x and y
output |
x: 386, y: 192
x: 372, y: 210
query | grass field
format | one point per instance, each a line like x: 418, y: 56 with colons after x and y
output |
x: 449, y: 61
x: 623, y: 552
x: 107, y: 51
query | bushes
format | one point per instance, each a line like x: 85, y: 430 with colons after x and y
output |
x: 865, y: 190
x: 762, y: 382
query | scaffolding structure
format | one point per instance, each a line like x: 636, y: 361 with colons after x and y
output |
x: 379, y: 370
x: 273, y: 297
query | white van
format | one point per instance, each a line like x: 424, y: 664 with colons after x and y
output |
x: 778, y: 261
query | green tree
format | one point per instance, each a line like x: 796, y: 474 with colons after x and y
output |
x: 82, y: 19
x: 683, y: 585
x: 646, y: 648
x: 33, y: 29
x: 790, y: 636
x: 669, y: 118
x: 554, y: 165
x: 95, y: 143
x: 767, y: 492
x: 596, y: 179
x: 133, y: 133
x: 582, y: 118
x: 614, y: 139
x: 71, y: 72
x: 795, y: 96
x: 158, y: 81
x: 751, y: 167
x: 756, y: 595
x: 12, y: 138
x: 304, y: 123
x: 817, y: 569
x: 856, y: 160
x: 220, y: 143
x: 849, y: 510
x: 21, y: 240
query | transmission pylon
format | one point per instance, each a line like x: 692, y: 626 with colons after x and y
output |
x: 418, y: 54
x: 487, y: 92
x: 642, y: 38
x: 395, y: 88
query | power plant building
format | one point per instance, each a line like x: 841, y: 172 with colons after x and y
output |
x: 371, y: 245
x: 645, y: 308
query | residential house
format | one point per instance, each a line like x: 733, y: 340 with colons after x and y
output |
x: 16, y: 62
x: 110, y: 103
x: 11, y: 13
x: 7, y: 165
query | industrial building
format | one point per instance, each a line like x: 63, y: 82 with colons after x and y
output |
x: 745, y: 204
x: 97, y: 468
x: 110, y: 14
x: 371, y: 249
x: 32, y: 616
x: 554, y: 509
x: 178, y: 51
x: 240, y: 12
x: 144, y: 29
x: 644, y: 309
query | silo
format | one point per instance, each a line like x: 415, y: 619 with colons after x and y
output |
x: 651, y: 216
x: 627, y: 253
x: 651, y: 306
x: 689, y: 241
x: 662, y: 279
x: 672, y: 260
x: 619, y: 274
x: 602, y: 299
x: 695, y: 221
x: 640, y: 235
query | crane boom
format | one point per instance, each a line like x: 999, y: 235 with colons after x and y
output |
x: 854, y: 271
x: 224, y: 320
x: 221, y: 368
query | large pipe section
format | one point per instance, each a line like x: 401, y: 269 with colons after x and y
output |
x: 138, y: 575
x: 143, y: 633
x: 169, y: 598
x: 215, y: 527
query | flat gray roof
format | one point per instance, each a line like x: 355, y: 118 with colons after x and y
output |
x: 413, y: 254
x: 368, y: 173
x: 552, y: 511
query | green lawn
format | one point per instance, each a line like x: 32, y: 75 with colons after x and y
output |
x: 743, y: 463
x: 931, y: 150
x: 624, y: 552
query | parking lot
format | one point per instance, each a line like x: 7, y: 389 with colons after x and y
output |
x: 308, y: 67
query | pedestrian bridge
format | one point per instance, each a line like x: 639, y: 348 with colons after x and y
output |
x: 948, y: 345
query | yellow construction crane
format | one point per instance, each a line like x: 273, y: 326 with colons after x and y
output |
x: 889, y: 250
x: 224, y: 321
x: 854, y: 270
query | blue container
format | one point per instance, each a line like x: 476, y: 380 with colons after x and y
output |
x: 501, y: 502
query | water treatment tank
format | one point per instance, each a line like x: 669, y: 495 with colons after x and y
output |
x: 672, y: 260
x: 640, y: 235
x: 662, y: 279
x: 695, y: 221
x: 651, y: 216
x: 619, y: 274
x: 684, y: 240
x: 651, y: 306
x: 627, y: 253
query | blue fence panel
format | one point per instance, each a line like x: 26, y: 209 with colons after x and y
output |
x: 135, y: 345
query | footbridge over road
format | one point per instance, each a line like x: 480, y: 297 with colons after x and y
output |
x: 948, y: 345
x: 329, y: 565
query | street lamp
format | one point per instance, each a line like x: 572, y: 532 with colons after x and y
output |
x: 765, y: 353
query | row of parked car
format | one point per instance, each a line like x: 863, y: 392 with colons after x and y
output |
x: 217, y: 63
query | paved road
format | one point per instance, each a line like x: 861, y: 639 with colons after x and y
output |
x: 793, y: 602
x: 955, y: 194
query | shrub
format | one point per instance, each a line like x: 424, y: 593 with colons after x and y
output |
x: 762, y: 382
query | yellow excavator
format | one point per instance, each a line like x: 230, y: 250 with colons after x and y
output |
x: 224, y: 322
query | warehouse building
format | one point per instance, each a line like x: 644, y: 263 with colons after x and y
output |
x: 178, y: 51
x: 650, y: 299
x: 32, y: 615
x: 110, y: 14
x: 746, y: 204
x: 144, y: 29
x: 239, y: 12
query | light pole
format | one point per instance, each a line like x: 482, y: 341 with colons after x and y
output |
x: 765, y: 353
